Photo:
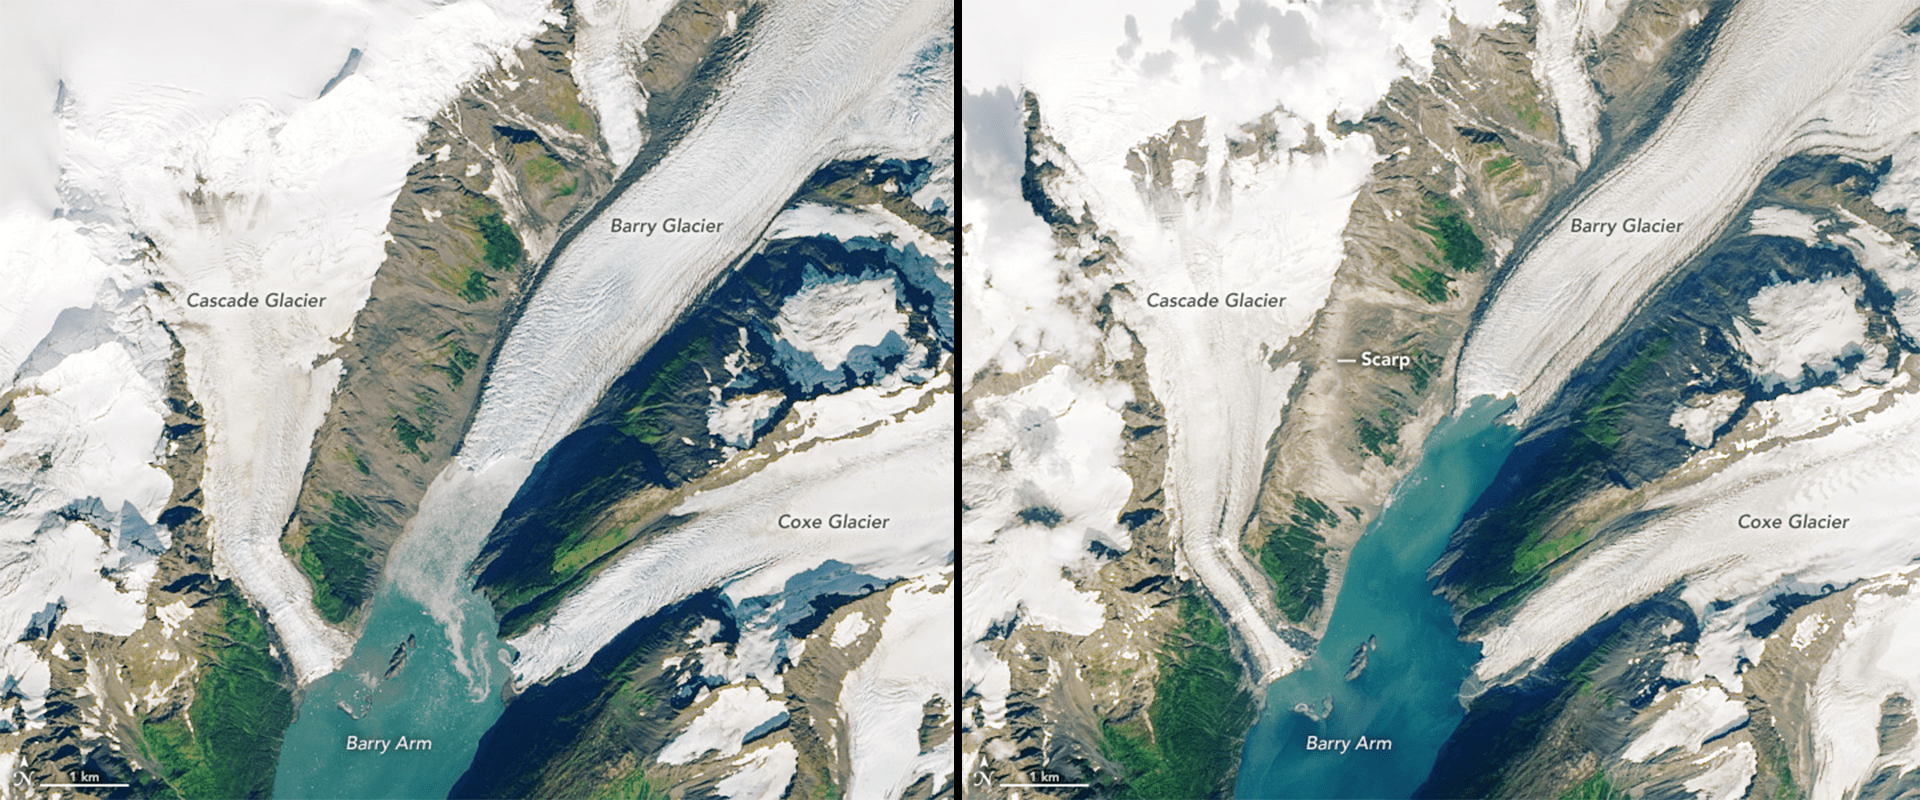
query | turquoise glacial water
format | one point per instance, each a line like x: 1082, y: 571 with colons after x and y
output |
x: 1408, y: 697
x: 427, y: 699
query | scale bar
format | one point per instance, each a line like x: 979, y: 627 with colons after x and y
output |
x: 1346, y: 361
x: 83, y: 785
x: 1045, y: 785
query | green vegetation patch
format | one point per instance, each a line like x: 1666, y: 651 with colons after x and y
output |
x: 1381, y: 439
x: 1595, y: 787
x: 241, y: 708
x: 567, y: 109
x: 1426, y: 283
x: 500, y: 252
x: 1495, y: 167
x: 1426, y: 365
x: 1782, y: 773
x: 1517, y: 542
x: 1199, y: 716
x: 478, y: 287
x: 544, y: 169
x: 1460, y: 248
x: 337, y: 559
x: 501, y: 246
x: 410, y: 436
x: 352, y: 456
x: 1294, y: 556
x: 645, y: 419
x: 634, y: 786
x: 1528, y: 110
x: 459, y: 362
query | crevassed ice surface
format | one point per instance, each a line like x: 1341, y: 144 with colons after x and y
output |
x: 607, y: 297
x: 1766, y: 92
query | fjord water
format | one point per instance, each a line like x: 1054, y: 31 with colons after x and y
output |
x: 1409, y: 693
x: 427, y: 699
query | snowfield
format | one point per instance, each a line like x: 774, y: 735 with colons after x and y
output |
x: 1803, y: 328
x: 1061, y: 437
x: 1783, y: 77
x: 763, y: 774
x: 1699, y: 417
x: 733, y: 712
x: 829, y: 319
x: 1728, y: 778
x: 737, y: 422
x: 85, y: 369
x: 883, y: 700
x: 1695, y: 715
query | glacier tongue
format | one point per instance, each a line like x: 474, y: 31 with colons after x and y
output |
x: 1872, y: 662
x: 608, y: 49
x: 1568, y: 29
x: 1763, y: 95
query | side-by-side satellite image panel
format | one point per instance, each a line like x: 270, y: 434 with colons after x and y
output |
x: 1440, y: 398
x: 478, y: 399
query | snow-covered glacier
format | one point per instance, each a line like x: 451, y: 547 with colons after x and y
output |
x: 257, y: 183
x: 1697, y: 535
x: 731, y: 535
x: 1782, y: 77
x: 609, y: 295
x: 1567, y: 32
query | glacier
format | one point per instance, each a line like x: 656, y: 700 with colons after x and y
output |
x: 607, y: 297
x: 1567, y: 32
x: 608, y: 50
x: 243, y: 181
x: 1230, y: 224
x: 1861, y: 468
x: 883, y: 699
x: 1874, y: 660
x: 1783, y: 78
x: 730, y: 535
